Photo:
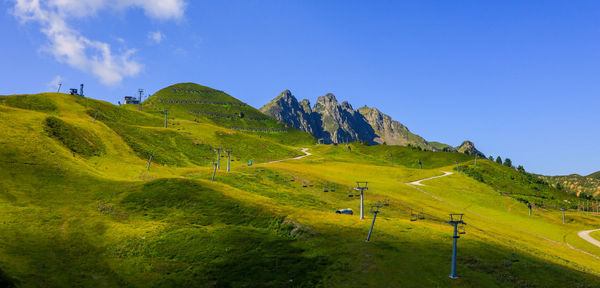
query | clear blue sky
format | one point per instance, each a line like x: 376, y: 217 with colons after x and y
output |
x: 518, y: 78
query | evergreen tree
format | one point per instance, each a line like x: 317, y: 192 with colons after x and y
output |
x: 499, y: 160
x: 521, y: 169
x: 508, y: 162
x: 491, y: 158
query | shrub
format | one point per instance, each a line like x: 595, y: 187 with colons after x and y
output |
x: 76, y: 139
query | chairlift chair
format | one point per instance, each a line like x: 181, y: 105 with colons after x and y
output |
x: 350, y: 194
x: 461, y: 229
x: 421, y: 215
x: 413, y: 216
x: 374, y: 209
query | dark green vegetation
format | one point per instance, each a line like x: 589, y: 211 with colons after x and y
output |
x: 402, y: 156
x: 76, y: 139
x: 583, y: 186
x: 75, y: 217
x: 440, y: 146
x: 523, y: 186
x: 206, y: 105
x: 595, y: 175
x: 213, y: 239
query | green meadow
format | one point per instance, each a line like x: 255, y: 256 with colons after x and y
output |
x: 81, y: 207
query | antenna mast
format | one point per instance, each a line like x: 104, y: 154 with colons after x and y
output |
x: 141, y: 91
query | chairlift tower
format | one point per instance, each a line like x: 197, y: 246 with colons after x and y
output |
x: 563, y: 212
x: 456, y: 220
x: 141, y: 92
x: 361, y: 186
x: 214, y: 171
x: 420, y: 164
x: 375, y: 211
x: 228, y: 158
x: 392, y: 159
x: 165, y: 112
x: 218, y: 157
x: 81, y: 90
x: 150, y: 161
x: 59, y: 85
x: 529, y: 206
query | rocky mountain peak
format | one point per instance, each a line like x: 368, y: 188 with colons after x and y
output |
x: 346, y: 106
x: 305, y: 105
x: 332, y: 122
x: 286, y: 94
x: 468, y: 147
x: 328, y: 100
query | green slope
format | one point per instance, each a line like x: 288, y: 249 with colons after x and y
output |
x: 206, y: 105
x: 582, y: 186
x: 79, y: 207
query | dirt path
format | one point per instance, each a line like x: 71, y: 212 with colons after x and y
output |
x: 304, y: 150
x: 585, y: 235
x: 418, y: 182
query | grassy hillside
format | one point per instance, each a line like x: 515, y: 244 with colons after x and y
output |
x: 522, y: 186
x: 79, y: 208
x: 582, y: 186
x: 202, y: 104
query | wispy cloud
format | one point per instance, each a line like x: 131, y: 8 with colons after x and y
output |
x: 67, y: 45
x: 156, y: 36
x: 53, y: 84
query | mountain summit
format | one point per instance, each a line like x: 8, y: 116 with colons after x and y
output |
x: 334, y: 122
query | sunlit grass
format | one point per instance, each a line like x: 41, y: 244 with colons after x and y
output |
x: 106, y: 220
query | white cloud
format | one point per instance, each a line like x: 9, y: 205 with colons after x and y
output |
x: 67, y: 45
x: 53, y: 84
x: 156, y: 36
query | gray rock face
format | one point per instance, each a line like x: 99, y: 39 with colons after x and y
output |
x: 286, y: 108
x: 390, y: 131
x: 468, y: 147
x: 333, y: 122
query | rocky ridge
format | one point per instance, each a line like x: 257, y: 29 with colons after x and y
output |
x: 334, y: 122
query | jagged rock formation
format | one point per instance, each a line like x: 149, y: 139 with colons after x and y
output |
x: 390, y: 131
x: 286, y: 108
x: 468, y: 147
x: 333, y: 122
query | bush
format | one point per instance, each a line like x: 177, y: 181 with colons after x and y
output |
x: 76, y: 139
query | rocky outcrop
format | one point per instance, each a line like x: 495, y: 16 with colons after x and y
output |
x: 390, y: 131
x: 334, y: 122
x: 286, y: 108
x: 468, y: 147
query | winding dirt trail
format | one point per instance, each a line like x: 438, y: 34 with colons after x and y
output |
x: 418, y: 182
x: 304, y: 150
x: 585, y: 235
